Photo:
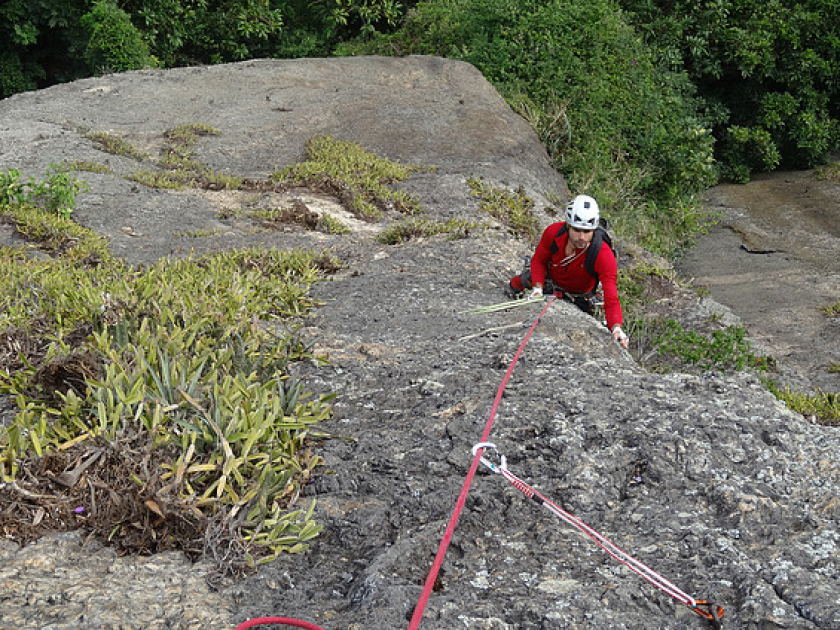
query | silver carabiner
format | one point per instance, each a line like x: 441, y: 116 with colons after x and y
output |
x: 496, y: 468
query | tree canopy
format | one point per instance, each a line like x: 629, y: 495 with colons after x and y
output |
x: 654, y: 84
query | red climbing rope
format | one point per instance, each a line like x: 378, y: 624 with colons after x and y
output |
x: 459, y: 505
x: 713, y: 614
x: 453, y: 519
x: 283, y: 621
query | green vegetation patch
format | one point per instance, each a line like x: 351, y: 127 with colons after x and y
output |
x: 829, y: 172
x: 116, y: 145
x: 299, y: 213
x: 514, y: 209
x: 822, y: 406
x: 643, y: 283
x: 359, y: 179
x: 422, y: 228
x: 165, y: 180
x: 56, y: 193
x: 57, y: 235
x: 673, y: 347
x: 177, y: 153
x: 180, y: 168
x: 330, y: 224
x: 170, y: 387
x: 87, y: 165
x: 832, y: 310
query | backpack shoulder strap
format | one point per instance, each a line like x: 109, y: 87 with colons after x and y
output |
x: 593, y: 251
x: 600, y: 237
x: 560, y: 232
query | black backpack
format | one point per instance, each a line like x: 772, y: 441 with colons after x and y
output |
x: 598, y: 238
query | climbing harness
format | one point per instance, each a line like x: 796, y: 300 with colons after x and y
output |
x: 710, y: 612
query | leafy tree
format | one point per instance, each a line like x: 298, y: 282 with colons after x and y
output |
x: 348, y: 18
x: 768, y: 72
x: 192, y: 32
x: 40, y: 43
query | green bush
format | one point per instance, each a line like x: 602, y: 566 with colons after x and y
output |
x: 726, y: 349
x: 16, y: 75
x: 115, y: 44
x: 746, y: 150
x: 210, y: 31
x: 41, y: 43
x: 768, y: 68
x: 345, y: 18
x: 619, y: 125
x: 56, y: 193
x: 583, y: 55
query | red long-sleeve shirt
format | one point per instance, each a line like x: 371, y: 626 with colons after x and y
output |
x: 572, y: 276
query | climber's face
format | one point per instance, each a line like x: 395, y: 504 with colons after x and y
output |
x: 580, y: 238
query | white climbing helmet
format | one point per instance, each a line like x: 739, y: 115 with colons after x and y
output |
x: 582, y: 213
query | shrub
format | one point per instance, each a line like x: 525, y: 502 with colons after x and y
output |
x: 582, y: 58
x: 766, y: 73
x: 56, y: 193
x: 209, y: 31
x: 115, y: 45
x: 745, y: 150
x: 358, y: 178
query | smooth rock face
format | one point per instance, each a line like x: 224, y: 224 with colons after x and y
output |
x: 774, y: 257
x: 706, y: 479
x: 418, y: 110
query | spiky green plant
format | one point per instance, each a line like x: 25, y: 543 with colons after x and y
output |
x: 111, y: 143
x: 357, y: 177
x: 831, y: 310
x: 180, y: 359
x: 823, y: 407
x: 408, y: 229
x: 513, y: 208
x: 330, y: 224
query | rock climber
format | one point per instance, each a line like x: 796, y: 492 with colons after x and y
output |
x: 571, y: 259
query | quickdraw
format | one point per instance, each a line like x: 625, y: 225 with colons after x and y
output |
x: 710, y: 612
